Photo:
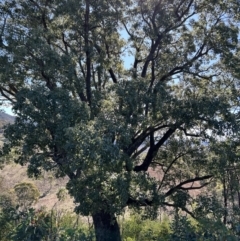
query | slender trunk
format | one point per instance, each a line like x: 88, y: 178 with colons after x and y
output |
x: 225, y: 194
x: 106, y: 227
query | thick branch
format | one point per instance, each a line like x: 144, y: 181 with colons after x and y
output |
x: 137, y: 153
x: 113, y: 76
x: 150, y: 57
x: 140, y: 203
x: 136, y: 142
x: 5, y: 95
x: 13, y: 88
x: 146, y: 202
x: 8, y: 91
x: 179, y: 186
x: 49, y: 84
x: 152, y: 152
x: 194, y: 188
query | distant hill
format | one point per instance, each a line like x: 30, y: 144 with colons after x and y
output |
x: 5, y: 119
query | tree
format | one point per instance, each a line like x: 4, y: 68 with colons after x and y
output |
x: 27, y: 194
x: 85, y: 112
x: 226, y: 183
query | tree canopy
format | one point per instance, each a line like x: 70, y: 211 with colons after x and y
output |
x: 110, y: 92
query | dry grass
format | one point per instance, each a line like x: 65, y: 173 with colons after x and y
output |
x: 48, y: 186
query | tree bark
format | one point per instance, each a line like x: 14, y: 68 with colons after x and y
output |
x: 106, y: 227
x: 225, y: 197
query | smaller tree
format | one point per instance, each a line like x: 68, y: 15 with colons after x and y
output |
x: 62, y: 194
x: 27, y: 194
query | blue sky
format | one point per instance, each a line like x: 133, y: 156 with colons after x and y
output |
x: 7, y: 110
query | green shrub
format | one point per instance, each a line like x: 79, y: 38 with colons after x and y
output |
x: 135, y: 229
x: 50, y: 225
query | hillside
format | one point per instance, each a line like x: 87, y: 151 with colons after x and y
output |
x: 12, y: 174
x: 48, y: 186
x: 6, y: 118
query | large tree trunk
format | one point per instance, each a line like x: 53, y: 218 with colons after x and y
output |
x: 106, y: 227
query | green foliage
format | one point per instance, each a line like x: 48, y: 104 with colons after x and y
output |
x: 31, y: 227
x: 57, y: 224
x: 110, y: 127
x: 62, y: 194
x: 27, y: 194
x: 49, y: 225
x: 135, y: 228
x: 182, y: 229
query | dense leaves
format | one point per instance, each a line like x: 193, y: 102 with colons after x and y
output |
x: 106, y: 92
